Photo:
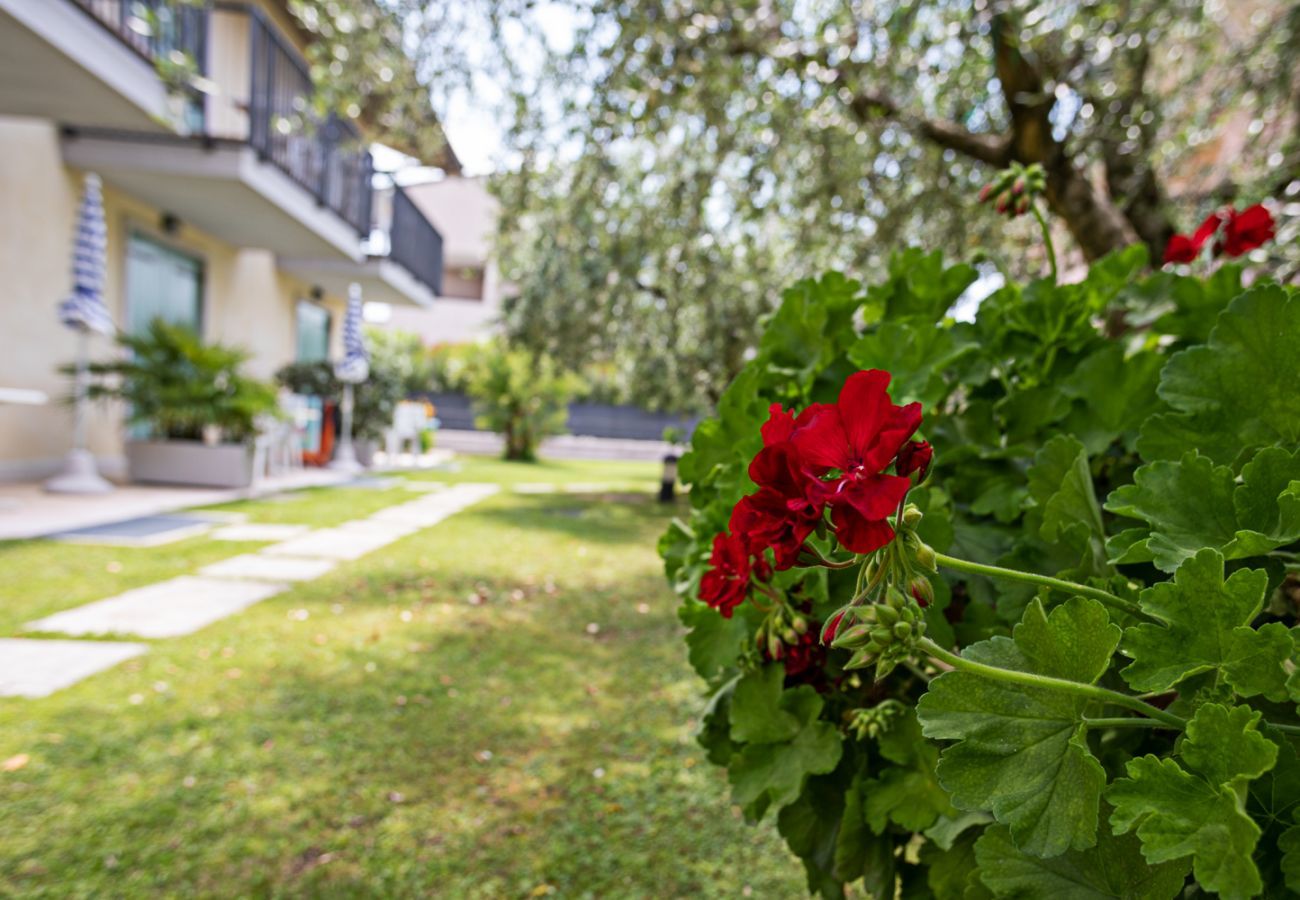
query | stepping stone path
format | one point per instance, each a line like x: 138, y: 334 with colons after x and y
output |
x: 167, y: 609
x: 269, y: 568
x: 255, y: 532
x: 35, y: 667
x: 30, y: 668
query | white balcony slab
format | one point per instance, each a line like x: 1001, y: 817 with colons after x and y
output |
x: 32, y: 668
x: 260, y: 567
x: 253, y: 531
x: 167, y: 609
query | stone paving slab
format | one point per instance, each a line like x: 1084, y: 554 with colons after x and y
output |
x: 167, y: 609
x: 252, y: 531
x: 333, y: 543
x: 31, y: 668
x: 259, y: 566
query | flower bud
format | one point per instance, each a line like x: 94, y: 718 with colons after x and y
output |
x: 1018, y: 186
x: 1022, y: 206
x: 922, y: 591
x: 790, y: 636
x: 985, y: 193
x: 852, y: 637
x: 882, y: 635
x: 1004, y: 202
x: 775, y: 648
x: 886, y: 615
x: 832, y: 626
x: 902, y: 631
x: 925, y: 557
x: 860, y: 660
x: 911, y: 516
x: 799, y: 624
x: 914, y: 456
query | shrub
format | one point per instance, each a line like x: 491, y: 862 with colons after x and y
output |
x: 523, y: 397
x: 176, y: 385
x: 1061, y: 662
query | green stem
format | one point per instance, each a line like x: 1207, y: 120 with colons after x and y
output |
x: 1047, y: 238
x: 1056, y: 584
x: 1028, y: 679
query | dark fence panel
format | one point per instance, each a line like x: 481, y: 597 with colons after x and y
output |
x: 587, y: 419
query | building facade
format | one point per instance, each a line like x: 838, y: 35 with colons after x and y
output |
x: 226, y: 209
x: 465, y: 214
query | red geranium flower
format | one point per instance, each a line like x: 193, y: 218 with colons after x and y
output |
x: 857, y: 438
x: 1246, y: 230
x: 726, y: 585
x: 1181, y: 249
x: 1184, y: 249
x: 806, y: 653
x: 787, y: 506
x: 915, y: 456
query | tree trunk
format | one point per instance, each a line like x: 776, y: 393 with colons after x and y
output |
x: 1094, y: 221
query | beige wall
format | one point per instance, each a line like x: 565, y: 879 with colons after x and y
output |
x: 247, y: 301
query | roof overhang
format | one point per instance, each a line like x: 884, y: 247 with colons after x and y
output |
x: 57, y: 62
x: 220, y: 187
x: 381, y: 279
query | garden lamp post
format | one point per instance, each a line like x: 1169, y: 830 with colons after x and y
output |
x: 352, y: 369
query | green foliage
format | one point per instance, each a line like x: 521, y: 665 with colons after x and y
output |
x: 1024, y: 764
x: 177, y: 386
x: 398, y: 368
x: 521, y: 396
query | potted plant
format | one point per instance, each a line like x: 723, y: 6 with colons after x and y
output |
x: 196, y: 410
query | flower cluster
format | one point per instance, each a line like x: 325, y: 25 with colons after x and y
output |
x: 1012, y: 190
x: 1238, y: 233
x: 830, y: 458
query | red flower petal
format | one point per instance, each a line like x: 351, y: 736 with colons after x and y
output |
x: 858, y: 534
x: 1181, y: 249
x: 865, y: 407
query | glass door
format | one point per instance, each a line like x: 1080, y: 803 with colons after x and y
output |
x: 162, y: 284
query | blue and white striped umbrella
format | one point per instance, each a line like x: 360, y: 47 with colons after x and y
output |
x: 354, y: 367
x: 84, y: 308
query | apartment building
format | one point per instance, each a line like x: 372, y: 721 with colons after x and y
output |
x: 465, y: 214
x: 224, y: 211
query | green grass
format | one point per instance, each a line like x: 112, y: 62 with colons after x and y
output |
x: 439, y: 718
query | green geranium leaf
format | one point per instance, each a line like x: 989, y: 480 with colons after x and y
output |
x: 950, y: 870
x: 1066, y: 511
x: 1021, y: 751
x: 915, y: 355
x: 713, y: 643
x: 1193, y: 503
x: 1112, y: 869
x: 1237, y: 392
x: 1114, y: 393
x: 1199, y: 813
x: 1289, y: 844
x: 1257, y: 662
x: 771, y: 774
x: 1204, y: 614
x: 907, y: 794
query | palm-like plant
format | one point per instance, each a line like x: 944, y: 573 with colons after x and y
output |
x: 177, y: 386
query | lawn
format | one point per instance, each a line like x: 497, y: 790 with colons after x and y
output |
x: 494, y: 707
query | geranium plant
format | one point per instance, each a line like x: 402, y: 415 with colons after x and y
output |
x: 1005, y: 608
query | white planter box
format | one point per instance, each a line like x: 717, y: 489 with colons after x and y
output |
x: 190, y: 462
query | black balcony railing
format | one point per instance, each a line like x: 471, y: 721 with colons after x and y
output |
x: 156, y: 29
x: 327, y: 158
x: 414, y: 242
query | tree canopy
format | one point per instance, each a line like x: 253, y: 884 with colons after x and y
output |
x: 680, y: 161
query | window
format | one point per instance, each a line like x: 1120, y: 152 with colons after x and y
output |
x: 313, y: 328
x: 162, y: 284
x: 463, y: 282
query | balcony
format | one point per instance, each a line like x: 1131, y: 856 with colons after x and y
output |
x: 84, y: 61
x: 250, y: 164
x: 403, y: 262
